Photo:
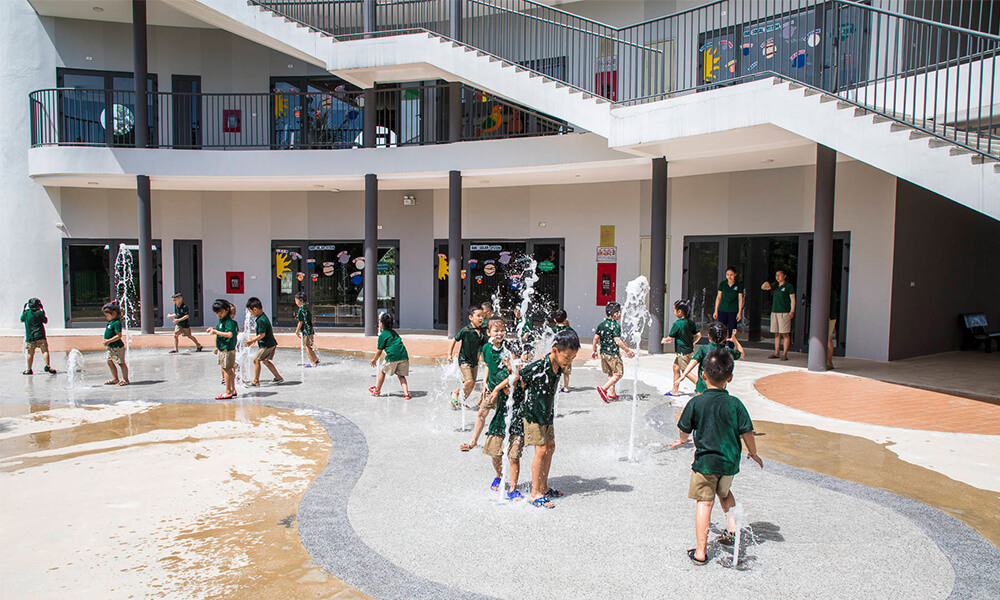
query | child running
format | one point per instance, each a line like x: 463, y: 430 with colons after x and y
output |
x: 397, y: 361
x: 684, y: 334
x: 717, y: 339
x: 721, y: 421
x: 182, y: 323
x: 225, y: 346
x: 493, y: 355
x: 266, y: 344
x: 561, y: 323
x: 608, y: 339
x: 115, y: 345
x: 471, y: 338
x: 304, y: 327
x: 502, y: 424
x: 34, y: 319
x: 539, y: 381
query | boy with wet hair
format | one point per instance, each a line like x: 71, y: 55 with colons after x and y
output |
x: 684, y: 334
x: 560, y: 322
x: 493, y: 357
x: 608, y: 340
x: 34, y: 319
x: 472, y: 339
x: 721, y: 421
x: 304, y: 327
x: 113, y: 342
x: 716, y: 339
x: 539, y: 381
x: 225, y: 346
x: 182, y: 323
x: 266, y: 344
x: 504, y: 424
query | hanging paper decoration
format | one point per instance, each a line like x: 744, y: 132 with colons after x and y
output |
x: 814, y: 37
x: 295, y: 255
x: 328, y: 268
x: 490, y: 269
x: 344, y: 257
x: 312, y: 263
x: 753, y: 65
x: 493, y: 122
x: 731, y: 65
x: 479, y: 278
x: 281, y: 263
x: 356, y: 277
x: 746, y: 48
x: 705, y: 47
x: 788, y: 29
x: 769, y: 49
x: 442, y: 267
x: 515, y: 282
x: 726, y: 44
x: 798, y: 59
x: 472, y: 263
x: 315, y: 276
x: 504, y: 258
x: 546, y: 265
x: 300, y: 276
x: 359, y: 262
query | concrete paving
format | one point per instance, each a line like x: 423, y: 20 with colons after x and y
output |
x: 420, y: 521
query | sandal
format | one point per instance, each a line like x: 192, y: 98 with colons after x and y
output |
x: 542, y: 502
x: 406, y: 396
x: 49, y: 369
x: 784, y: 358
x: 252, y: 384
x: 225, y: 397
x: 700, y: 563
x: 454, y: 400
x: 172, y: 352
x: 728, y: 538
x: 603, y: 393
x: 773, y: 356
x: 612, y: 398
x: 514, y: 496
x: 278, y: 380
x: 495, y: 485
x: 111, y: 382
x: 467, y: 447
x: 199, y: 349
x: 124, y: 383
x: 373, y: 391
x: 564, y: 390
x: 27, y: 372
x: 554, y: 493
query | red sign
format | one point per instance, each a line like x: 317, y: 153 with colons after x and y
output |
x: 607, y: 274
x: 234, y: 282
x: 231, y: 120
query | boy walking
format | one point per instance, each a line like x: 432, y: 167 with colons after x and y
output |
x: 34, y: 319
x: 608, y: 339
x: 721, y: 421
x: 561, y: 320
x: 266, y: 344
x: 182, y: 323
x: 684, y: 334
x: 304, y: 327
x: 472, y: 339
x: 782, y: 311
x: 716, y: 340
x: 539, y: 381
x: 225, y: 346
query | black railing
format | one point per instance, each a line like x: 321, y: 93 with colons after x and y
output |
x: 404, y: 115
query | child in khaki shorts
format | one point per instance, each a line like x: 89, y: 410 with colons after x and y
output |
x: 472, y: 339
x: 722, y: 422
x: 397, y: 361
x: 684, y: 334
x: 506, y: 427
x: 225, y: 345
x: 608, y: 341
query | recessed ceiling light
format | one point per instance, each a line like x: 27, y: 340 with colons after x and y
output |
x: 98, y: 9
x: 291, y: 66
x: 91, y: 183
x: 318, y: 185
x: 576, y: 176
x: 767, y: 160
x: 484, y: 181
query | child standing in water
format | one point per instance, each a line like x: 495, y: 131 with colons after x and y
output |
x: 721, y: 421
x: 492, y: 353
x: 225, y: 346
x: 397, y: 361
x: 503, y: 423
x: 266, y: 344
x: 608, y: 339
x: 182, y: 323
x: 684, y: 334
x: 113, y: 342
x: 561, y: 320
x: 304, y: 327
x: 539, y: 381
x: 34, y: 319
x: 471, y: 338
x: 717, y: 339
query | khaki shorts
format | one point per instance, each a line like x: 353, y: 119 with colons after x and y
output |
x: 307, y: 341
x: 227, y: 359
x: 182, y: 329
x: 833, y: 328
x: 704, y: 488
x: 567, y: 370
x: 612, y: 365
x: 469, y: 372
x: 42, y: 345
x: 781, y: 323
x: 400, y: 368
x: 683, y: 360
x: 538, y: 435
x: 117, y: 355
x: 265, y: 353
x: 494, y: 446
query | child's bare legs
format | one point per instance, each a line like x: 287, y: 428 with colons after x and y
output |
x: 540, y: 469
x: 677, y: 384
x: 124, y: 368
x: 477, y: 429
x: 256, y: 372
x: 777, y: 345
x: 114, y: 371
x: 177, y: 339
x: 702, y: 520
x: 190, y: 337
x: 727, y: 505
x: 515, y: 472
x: 609, y: 387
x: 497, y: 461
x: 402, y: 384
x: 566, y: 380
x: 230, y: 376
x: 31, y: 358
x: 270, y: 367
x: 379, y: 380
x: 312, y: 355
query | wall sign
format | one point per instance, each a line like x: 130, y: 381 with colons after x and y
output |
x: 234, y: 282
x: 607, y: 254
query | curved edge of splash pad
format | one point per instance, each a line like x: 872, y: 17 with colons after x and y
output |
x: 968, y: 552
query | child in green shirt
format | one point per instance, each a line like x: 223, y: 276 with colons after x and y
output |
x: 717, y: 339
x: 472, y: 339
x: 493, y: 356
x: 113, y: 342
x: 304, y: 327
x: 34, y: 319
x: 503, y: 427
x: 608, y: 339
x: 397, y: 361
x: 225, y: 346
x: 561, y: 320
x: 684, y: 334
x: 266, y: 344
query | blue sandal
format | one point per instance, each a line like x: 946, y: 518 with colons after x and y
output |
x: 553, y: 493
x: 495, y: 485
x: 515, y: 495
x: 543, y: 502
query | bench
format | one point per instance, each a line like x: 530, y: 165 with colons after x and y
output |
x: 977, y: 332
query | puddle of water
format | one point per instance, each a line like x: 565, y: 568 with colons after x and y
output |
x: 863, y: 461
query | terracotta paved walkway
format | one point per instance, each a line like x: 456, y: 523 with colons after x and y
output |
x: 878, y: 403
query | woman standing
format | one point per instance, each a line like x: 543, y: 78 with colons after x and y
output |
x: 729, y: 301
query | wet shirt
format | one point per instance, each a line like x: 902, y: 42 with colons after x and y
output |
x: 34, y: 324
x: 264, y: 326
x: 557, y: 328
x: 683, y: 331
x: 720, y: 419
x: 781, y: 297
x: 699, y: 357
x: 493, y: 357
x: 540, y: 390
x: 113, y: 328
x: 304, y: 315
x: 607, y: 331
x: 498, y: 426
x: 730, y: 296
x: 182, y: 311
x: 472, y: 340
x: 228, y: 325
x: 390, y: 341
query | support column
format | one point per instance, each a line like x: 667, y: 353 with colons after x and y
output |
x: 455, y: 25
x: 822, y: 265
x: 370, y: 18
x: 454, y: 252
x: 658, y: 256
x: 146, y: 287
x: 454, y: 112
x: 371, y: 255
x: 140, y: 75
x: 368, y: 121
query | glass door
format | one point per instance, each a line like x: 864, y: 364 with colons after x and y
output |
x: 701, y: 279
x: 187, y: 111
x: 838, y: 292
x: 91, y: 280
x: 494, y: 272
x: 287, y: 269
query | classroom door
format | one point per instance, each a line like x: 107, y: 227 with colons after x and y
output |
x: 187, y: 277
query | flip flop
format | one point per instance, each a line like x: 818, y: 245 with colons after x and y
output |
x: 49, y: 369
x: 514, y: 496
x: 278, y: 380
x: 543, y: 502
x: 225, y: 397
x: 773, y: 356
x: 406, y: 396
x: 554, y: 493
x: 252, y: 384
x: 373, y: 391
x: 612, y: 398
x: 700, y: 563
x: 454, y: 401
x: 124, y: 383
x: 784, y: 358
x: 603, y: 393
x: 564, y: 390
x: 496, y: 484
x: 199, y: 348
x: 27, y: 372
x: 467, y: 447
x: 172, y: 352
x: 111, y: 382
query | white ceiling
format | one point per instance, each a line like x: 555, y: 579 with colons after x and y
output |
x: 158, y: 12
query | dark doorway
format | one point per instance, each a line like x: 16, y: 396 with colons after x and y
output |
x: 89, y: 280
x: 187, y: 276
x: 186, y: 90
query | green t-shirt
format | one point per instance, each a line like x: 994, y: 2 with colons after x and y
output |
x: 540, y: 386
x: 304, y: 315
x: 834, y: 305
x: 493, y: 357
x: 781, y: 297
x: 228, y: 325
x: 498, y: 426
x: 472, y: 340
x: 730, y: 296
x: 113, y: 328
x: 264, y: 326
x: 34, y: 324
x: 607, y: 331
x: 699, y: 357
x: 182, y: 311
x: 557, y: 328
x: 390, y: 341
x: 683, y: 331
x: 720, y: 420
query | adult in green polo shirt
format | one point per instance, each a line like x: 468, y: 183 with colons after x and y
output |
x: 729, y: 301
x: 782, y: 311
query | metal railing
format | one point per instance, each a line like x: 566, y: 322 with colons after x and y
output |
x: 404, y: 115
x: 933, y: 69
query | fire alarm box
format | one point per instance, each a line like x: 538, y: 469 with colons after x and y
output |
x: 234, y: 282
x: 606, y: 279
